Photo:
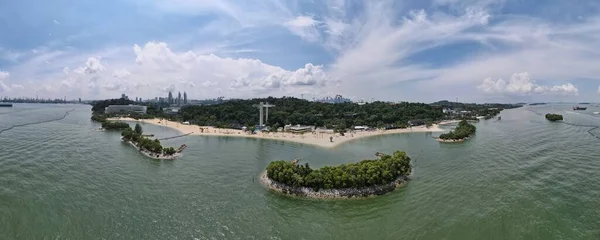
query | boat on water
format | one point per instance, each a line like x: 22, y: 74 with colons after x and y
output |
x: 6, y: 105
x: 596, y: 112
x: 499, y: 118
x: 578, y: 108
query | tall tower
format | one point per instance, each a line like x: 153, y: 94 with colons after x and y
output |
x: 170, y: 100
x: 179, y: 99
x: 185, y: 98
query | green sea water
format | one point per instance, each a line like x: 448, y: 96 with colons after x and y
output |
x: 519, y: 178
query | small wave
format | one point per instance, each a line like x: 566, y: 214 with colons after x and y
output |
x: 40, y: 122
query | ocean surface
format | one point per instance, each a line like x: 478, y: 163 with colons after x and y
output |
x: 519, y: 178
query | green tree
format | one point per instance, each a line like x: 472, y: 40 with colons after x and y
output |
x: 138, y: 129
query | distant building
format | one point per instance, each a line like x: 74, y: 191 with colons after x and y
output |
x: 447, y: 111
x: 171, y: 111
x: 298, y: 128
x: 170, y: 98
x: 125, y: 109
x: 123, y: 96
x: 179, y: 99
x: 417, y: 122
x: 361, y: 128
x: 185, y: 98
x: 79, y: 100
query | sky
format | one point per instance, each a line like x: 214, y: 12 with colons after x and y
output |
x: 427, y: 50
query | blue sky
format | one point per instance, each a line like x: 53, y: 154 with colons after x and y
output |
x: 487, y: 50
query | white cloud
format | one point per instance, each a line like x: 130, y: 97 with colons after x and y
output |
x: 4, y: 87
x: 121, y: 74
x: 208, y: 84
x: 521, y: 84
x: 305, y: 27
x: 4, y: 75
x: 112, y: 86
x: 66, y: 70
x: 17, y: 86
x: 56, y: 22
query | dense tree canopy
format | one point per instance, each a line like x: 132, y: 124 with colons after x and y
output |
x: 354, y: 175
x: 462, y: 131
x: 297, y: 111
x: 554, y: 117
x: 114, y: 125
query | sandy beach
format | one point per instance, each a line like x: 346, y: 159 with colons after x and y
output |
x: 316, y: 139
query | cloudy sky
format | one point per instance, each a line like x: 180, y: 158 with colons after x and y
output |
x: 426, y: 50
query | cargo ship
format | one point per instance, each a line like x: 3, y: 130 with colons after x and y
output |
x: 579, y: 108
x: 5, y: 104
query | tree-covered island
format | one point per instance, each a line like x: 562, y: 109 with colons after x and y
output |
x: 463, y: 131
x: 149, y: 147
x: 114, y: 125
x: 365, y: 178
x: 554, y: 117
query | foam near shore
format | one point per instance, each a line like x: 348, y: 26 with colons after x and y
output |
x: 316, y: 139
x: 332, y: 193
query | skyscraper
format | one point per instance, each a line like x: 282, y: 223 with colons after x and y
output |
x: 179, y: 99
x: 184, y: 98
x: 170, y: 98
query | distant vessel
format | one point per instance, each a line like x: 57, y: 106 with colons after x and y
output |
x: 499, y: 118
x: 596, y: 112
x: 5, y: 104
x: 579, y: 108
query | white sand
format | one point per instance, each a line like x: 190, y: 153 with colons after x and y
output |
x: 317, y: 139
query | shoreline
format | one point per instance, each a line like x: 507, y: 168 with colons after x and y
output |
x: 315, y: 139
x: 346, y: 193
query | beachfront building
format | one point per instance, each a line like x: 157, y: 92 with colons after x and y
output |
x: 323, y: 130
x: 171, y: 111
x: 417, y: 122
x: 360, y: 128
x: 125, y: 109
x: 298, y: 128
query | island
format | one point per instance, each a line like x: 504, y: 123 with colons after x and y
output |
x: 463, y: 131
x: 148, y: 147
x: 554, y: 117
x: 362, y: 179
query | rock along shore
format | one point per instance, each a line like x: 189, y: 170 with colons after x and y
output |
x: 450, y: 140
x: 153, y: 155
x: 344, y: 193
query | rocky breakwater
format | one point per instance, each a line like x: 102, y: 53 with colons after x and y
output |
x: 355, y: 180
